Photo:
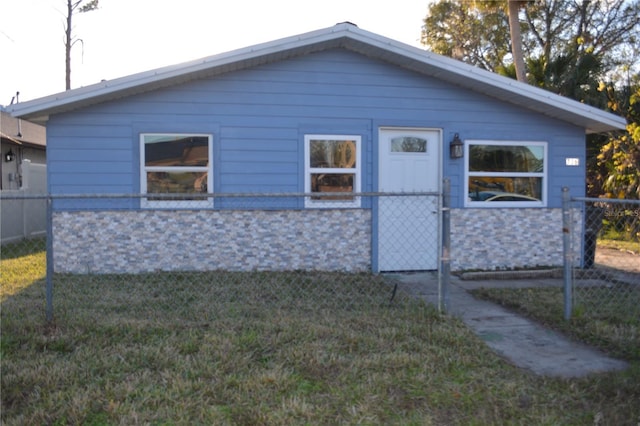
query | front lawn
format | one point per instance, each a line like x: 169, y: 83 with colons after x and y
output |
x: 276, y: 349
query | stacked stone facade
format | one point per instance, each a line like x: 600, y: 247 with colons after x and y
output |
x: 206, y: 240
x: 136, y: 241
x: 509, y: 238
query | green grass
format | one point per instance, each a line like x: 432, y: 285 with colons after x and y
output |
x: 22, y: 264
x: 267, y: 348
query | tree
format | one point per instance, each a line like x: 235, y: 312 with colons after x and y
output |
x: 619, y: 157
x: 619, y: 163
x: 516, y: 38
x: 476, y: 36
x: 568, y: 45
x: 73, y: 7
x: 576, y: 44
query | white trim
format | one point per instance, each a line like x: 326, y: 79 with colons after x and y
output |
x: 342, y: 35
x: 356, y: 171
x: 499, y: 204
x: 169, y: 204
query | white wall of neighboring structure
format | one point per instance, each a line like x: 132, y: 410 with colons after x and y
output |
x: 25, y: 218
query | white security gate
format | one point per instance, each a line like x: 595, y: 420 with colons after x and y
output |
x: 409, y: 161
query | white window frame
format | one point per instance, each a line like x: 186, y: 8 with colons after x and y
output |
x: 185, y: 204
x: 356, y: 171
x: 497, y: 204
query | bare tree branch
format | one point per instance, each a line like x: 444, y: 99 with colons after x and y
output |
x: 72, y: 8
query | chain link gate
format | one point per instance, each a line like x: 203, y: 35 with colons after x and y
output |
x: 601, y: 258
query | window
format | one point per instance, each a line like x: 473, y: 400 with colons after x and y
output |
x: 176, y: 164
x: 408, y: 144
x: 332, y: 164
x: 507, y: 174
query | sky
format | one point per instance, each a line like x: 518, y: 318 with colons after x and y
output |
x: 124, y: 37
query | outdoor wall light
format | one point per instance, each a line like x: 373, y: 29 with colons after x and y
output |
x: 456, y: 147
x: 9, y: 156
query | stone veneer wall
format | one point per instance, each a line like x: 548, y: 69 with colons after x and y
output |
x: 204, y: 240
x: 501, y: 238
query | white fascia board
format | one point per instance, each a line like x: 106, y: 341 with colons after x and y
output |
x: 422, y: 61
x: 495, y: 85
x: 103, y: 90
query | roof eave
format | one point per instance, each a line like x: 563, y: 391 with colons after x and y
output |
x: 175, y: 74
x: 592, y: 119
x: 342, y: 35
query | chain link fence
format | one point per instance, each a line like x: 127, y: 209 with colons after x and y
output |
x: 192, y: 258
x: 602, y: 259
x: 202, y: 256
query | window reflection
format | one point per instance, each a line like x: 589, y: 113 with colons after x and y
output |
x: 408, y: 144
x: 332, y: 167
x: 332, y: 182
x: 161, y: 151
x: 505, y: 188
x: 506, y: 158
x: 176, y: 182
x: 506, y: 172
x: 333, y: 154
x: 174, y: 163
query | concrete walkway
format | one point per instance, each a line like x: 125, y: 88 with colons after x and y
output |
x: 520, y: 341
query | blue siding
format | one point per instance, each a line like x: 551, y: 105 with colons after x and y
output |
x: 258, y: 118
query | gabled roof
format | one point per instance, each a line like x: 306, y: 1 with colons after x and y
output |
x: 346, y: 36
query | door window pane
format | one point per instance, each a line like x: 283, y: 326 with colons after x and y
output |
x: 408, y: 144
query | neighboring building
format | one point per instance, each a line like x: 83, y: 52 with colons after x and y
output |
x: 339, y: 109
x: 20, y: 140
x: 23, y: 171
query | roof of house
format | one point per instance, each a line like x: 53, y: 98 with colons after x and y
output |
x: 346, y: 36
x: 22, y: 132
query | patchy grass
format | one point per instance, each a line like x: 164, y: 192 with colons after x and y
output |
x: 269, y: 348
x: 632, y: 246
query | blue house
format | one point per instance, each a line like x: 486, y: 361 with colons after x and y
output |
x: 337, y: 110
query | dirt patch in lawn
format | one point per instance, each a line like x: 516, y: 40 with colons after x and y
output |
x: 624, y: 260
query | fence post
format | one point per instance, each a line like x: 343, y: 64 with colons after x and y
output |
x: 445, y: 258
x: 566, y: 251
x: 49, y: 255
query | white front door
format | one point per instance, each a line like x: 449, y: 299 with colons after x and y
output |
x: 409, y: 161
